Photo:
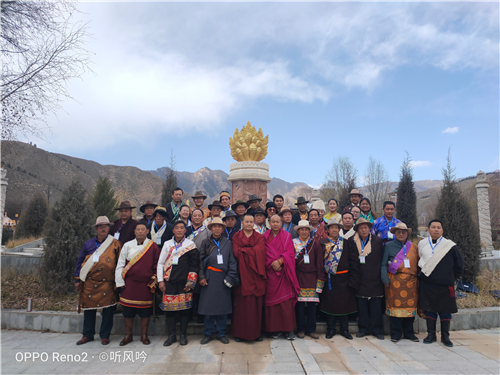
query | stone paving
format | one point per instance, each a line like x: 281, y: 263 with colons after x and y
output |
x: 475, y: 352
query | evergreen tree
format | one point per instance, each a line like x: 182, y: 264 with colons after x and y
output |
x: 170, y: 182
x: 69, y: 226
x: 453, y: 211
x: 406, y: 207
x: 104, y: 200
x: 344, y: 197
x: 33, y: 218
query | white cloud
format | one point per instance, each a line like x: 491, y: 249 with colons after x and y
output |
x: 420, y: 163
x: 451, y: 130
x: 187, y: 66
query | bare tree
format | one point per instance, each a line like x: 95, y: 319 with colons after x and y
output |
x: 339, y: 181
x: 377, y: 183
x: 43, y: 48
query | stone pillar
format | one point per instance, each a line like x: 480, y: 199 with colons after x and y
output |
x: 4, y: 183
x: 483, y: 207
x: 247, y: 178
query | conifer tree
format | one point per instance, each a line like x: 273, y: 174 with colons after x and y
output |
x: 453, y: 211
x: 104, y: 200
x: 32, y: 220
x: 406, y: 206
x: 170, y: 182
x: 69, y: 226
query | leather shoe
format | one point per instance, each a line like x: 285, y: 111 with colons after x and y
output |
x: 380, y: 336
x: 412, y: 337
x: 313, y: 335
x: 237, y: 339
x: 170, y: 340
x: 330, y: 334
x: 394, y: 340
x: 346, y: 334
x: 206, y: 340
x: 260, y: 338
x: 127, y: 339
x: 183, y: 341
x: 301, y: 335
x: 223, y: 339
x: 105, y: 341
x: 84, y: 340
x: 361, y: 334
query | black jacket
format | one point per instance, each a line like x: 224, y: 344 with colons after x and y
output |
x: 370, y: 284
x: 448, y: 269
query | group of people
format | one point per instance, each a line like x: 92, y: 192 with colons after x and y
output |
x: 270, y: 268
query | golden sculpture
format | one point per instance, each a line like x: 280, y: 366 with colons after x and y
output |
x: 249, y: 144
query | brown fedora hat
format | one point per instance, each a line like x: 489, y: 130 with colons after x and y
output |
x: 102, y: 220
x: 355, y: 192
x: 124, y: 204
x: 216, y: 220
x: 401, y: 226
x: 199, y: 194
x: 148, y: 203
x: 285, y: 209
x: 360, y: 221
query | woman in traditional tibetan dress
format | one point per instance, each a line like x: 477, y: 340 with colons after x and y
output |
x: 177, y: 273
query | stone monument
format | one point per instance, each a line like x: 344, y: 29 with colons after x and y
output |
x: 248, y: 175
x: 4, y: 183
x: 483, y: 207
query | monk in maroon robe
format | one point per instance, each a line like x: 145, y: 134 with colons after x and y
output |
x: 250, y: 251
x: 282, y: 287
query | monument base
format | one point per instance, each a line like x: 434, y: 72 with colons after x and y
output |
x: 248, y: 178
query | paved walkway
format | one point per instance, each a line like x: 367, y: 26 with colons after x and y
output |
x: 475, y: 352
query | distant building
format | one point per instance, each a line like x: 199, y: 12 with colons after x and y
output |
x: 393, y: 195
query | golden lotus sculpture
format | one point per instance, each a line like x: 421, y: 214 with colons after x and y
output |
x: 248, y: 144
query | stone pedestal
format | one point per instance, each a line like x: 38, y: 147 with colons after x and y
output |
x: 483, y: 207
x: 4, y: 183
x: 247, y: 178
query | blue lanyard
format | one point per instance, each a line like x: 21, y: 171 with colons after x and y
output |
x: 289, y: 227
x: 388, y: 222
x: 363, y: 245
x: 97, y: 244
x: 404, y: 251
x: 228, y: 233
x: 180, y: 245
x: 217, y: 243
x: 163, y: 226
x: 314, y: 231
x: 437, y: 243
x: 260, y: 229
x: 336, y: 243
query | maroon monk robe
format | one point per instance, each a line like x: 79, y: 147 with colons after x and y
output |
x: 140, y: 280
x: 248, y: 297
x: 282, y: 287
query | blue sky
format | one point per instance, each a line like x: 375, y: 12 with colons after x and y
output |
x: 322, y: 79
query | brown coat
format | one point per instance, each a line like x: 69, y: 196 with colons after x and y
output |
x: 98, y: 290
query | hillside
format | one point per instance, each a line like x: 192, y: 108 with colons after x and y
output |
x: 31, y: 169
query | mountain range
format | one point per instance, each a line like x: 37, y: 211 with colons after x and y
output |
x: 31, y: 169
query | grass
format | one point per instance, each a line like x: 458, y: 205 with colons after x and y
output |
x: 20, y: 241
x: 486, y: 281
x: 17, y: 288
